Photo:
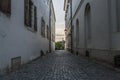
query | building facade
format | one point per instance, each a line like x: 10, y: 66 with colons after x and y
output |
x: 53, y: 20
x: 93, y: 28
x: 24, y: 31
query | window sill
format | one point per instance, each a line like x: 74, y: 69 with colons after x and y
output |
x: 31, y: 29
x: 5, y: 14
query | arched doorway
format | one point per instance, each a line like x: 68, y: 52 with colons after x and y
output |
x: 87, y: 28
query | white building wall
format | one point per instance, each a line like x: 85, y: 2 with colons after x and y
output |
x: 53, y: 20
x: 16, y: 39
x: 104, y: 44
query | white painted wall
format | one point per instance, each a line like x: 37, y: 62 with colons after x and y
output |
x: 15, y: 38
x: 104, y: 33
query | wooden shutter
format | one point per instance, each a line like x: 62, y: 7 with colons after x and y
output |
x: 27, y: 16
x: 5, y: 6
x: 30, y: 12
x: 8, y: 6
x: 35, y: 18
x: 0, y: 4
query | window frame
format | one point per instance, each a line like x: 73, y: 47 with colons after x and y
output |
x: 30, y: 16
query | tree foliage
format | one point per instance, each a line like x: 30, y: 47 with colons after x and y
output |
x: 59, y: 45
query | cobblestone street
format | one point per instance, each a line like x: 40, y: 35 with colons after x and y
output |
x: 62, y: 65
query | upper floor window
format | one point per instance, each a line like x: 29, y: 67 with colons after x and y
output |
x: 5, y: 6
x: 30, y: 15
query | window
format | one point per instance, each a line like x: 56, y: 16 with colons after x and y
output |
x: 35, y: 18
x: 5, y: 6
x: 30, y: 15
x: 42, y: 27
x: 28, y: 6
x: 118, y: 15
x: 77, y: 32
x: 47, y: 32
x: 73, y: 35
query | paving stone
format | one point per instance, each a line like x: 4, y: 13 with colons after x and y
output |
x: 62, y: 65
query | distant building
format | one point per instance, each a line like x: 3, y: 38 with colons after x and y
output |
x: 93, y: 28
x: 25, y: 31
x: 53, y: 20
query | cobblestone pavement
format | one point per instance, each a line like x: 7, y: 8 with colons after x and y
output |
x: 62, y: 65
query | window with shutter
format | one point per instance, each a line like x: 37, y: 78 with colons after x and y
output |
x: 35, y: 18
x: 27, y: 16
x: 5, y: 6
x: 47, y: 32
x: 8, y: 6
x: 42, y: 27
x: 30, y: 15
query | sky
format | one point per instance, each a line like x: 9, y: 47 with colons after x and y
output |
x: 60, y: 22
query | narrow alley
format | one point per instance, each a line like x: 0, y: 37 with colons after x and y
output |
x: 62, y: 65
x: 59, y: 39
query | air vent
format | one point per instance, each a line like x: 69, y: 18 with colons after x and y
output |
x: 16, y: 63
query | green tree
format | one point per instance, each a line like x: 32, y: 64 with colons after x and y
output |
x: 59, y: 45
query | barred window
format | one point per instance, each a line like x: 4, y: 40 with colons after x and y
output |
x: 42, y: 27
x: 5, y: 6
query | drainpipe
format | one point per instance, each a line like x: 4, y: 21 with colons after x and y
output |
x: 71, y: 27
x: 50, y: 25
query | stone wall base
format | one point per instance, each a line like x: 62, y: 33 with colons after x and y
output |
x: 106, y: 56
